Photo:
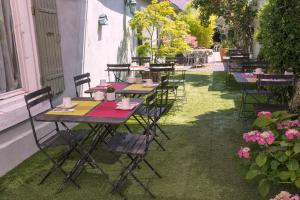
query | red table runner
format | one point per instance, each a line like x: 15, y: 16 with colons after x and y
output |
x: 108, y: 109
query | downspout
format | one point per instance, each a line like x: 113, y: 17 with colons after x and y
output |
x: 84, y: 36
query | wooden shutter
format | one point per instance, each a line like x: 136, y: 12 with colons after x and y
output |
x: 48, y: 41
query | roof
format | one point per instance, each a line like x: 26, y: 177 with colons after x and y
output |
x: 181, y: 4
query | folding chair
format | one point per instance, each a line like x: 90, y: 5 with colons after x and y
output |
x: 135, y: 146
x: 81, y: 80
x: 141, y: 60
x: 251, y: 65
x: 234, y: 65
x: 56, y: 137
x: 253, y: 94
x: 154, y: 115
x: 267, y: 80
x: 120, y: 71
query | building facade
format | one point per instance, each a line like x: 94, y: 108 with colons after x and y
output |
x: 54, y: 40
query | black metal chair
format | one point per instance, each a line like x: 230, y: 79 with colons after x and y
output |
x: 251, y: 65
x: 81, y: 80
x: 135, y: 146
x: 56, y: 137
x: 264, y: 81
x: 163, y: 107
x: 120, y: 71
x: 165, y: 69
x: 171, y: 60
x: 141, y: 60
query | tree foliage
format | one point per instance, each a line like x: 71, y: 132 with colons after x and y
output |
x: 160, y: 29
x: 238, y: 14
x: 203, y: 33
x: 279, y: 34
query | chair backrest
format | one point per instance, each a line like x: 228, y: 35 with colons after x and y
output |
x: 276, y: 80
x: 81, y: 80
x: 118, y: 70
x: 250, y: 66
x: 165, y: 67
x: 157, y: 69
x: 171, y: 60
x: 151, y: 105
x: 141, y: 60
x: 33, y: 99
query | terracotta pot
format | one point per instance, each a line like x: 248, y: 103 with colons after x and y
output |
x: 223, y: 52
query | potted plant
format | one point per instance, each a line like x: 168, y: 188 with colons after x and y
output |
x: 224, y: 48
x: 110, y: 94
x: 138, y: 78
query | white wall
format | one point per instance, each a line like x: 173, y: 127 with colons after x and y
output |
x: 109, y: 44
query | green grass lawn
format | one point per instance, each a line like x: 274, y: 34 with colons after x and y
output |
x: 200, y: 162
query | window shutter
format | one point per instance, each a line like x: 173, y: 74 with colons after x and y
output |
x: 48, y: 42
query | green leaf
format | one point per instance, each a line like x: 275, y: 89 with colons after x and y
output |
x: 284, y: 144
x: 261, y: 159
x: 296, y: 148
x: 252, y: 174
x: 274, y: 164
x: 284, y: 175
x: 288, y: 153
x: 293, y: 165
x: 264, y: 187
x: 297, y: 183
x: 293, y: 176
x: 262, y: 122
x: 281, y: 157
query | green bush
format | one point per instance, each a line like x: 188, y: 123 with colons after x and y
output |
x: 279, y: 34
x: 273, y: 152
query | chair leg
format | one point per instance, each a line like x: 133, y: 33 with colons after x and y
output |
x: 150, y: 166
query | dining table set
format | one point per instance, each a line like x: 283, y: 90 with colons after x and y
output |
x: 106, y: 117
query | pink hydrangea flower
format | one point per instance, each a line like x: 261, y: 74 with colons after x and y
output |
x: 244, y: 152
x: 251, y: 136
x: 264, y: 113
x: 296, y: 197
x: 268, y: 137
x: 291, y: 133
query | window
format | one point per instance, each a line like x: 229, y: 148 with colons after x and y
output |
x: 9, y: 67
x: 18, y: 34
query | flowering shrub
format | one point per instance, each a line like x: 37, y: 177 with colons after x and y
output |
x: 283, y: 195
x: 274, y: 144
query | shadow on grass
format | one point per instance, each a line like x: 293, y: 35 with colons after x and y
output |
x: 200, y: 162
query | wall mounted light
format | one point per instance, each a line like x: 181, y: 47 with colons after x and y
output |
x: 102, y: 20
x: 131, y: 4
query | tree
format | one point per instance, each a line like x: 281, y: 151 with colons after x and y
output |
x: 204, y: 34
x: 238, y: 14
x: 160, y: 29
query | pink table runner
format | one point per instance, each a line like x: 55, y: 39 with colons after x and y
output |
x: 108, y: 109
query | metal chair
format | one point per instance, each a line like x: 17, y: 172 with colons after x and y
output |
x: 81, y: 80
x: 56, y: 137
x: 135, y: 146
x: 141, y: 60
x: 120, y: 71
x: 163, y: 107
x: 264, y: 81
x: 251, y: 65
